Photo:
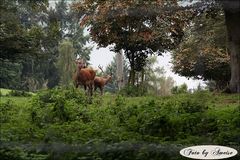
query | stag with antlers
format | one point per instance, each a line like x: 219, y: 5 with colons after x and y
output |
x: 100, y: 82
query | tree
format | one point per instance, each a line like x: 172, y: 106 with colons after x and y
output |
x: 155, y: 81
x: 209, y: 59
x: 65, y: 62
x: 140, y: 28
x: 22, y: 40
x: 30, y: 36
x: 232, y: 14
x: 231, y: 10
x: 69, y: 27
x: 43, y: 28
x: 61, y: 13
x: 14, y: 41
x: 111, y: 69
x: 10, y: 75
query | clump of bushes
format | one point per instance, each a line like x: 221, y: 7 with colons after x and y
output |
x: 5, y: 111
x: 183, y: 118
x: 57, y: 105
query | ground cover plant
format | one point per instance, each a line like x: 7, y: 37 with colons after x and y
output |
x: 62, y: 124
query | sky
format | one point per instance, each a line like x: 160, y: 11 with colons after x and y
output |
x: 103, y: 57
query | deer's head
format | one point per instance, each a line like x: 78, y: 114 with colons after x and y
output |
x: 80, y: 63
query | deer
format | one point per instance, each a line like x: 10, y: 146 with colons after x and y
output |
x: 100, y: 82
x: 84, y: 76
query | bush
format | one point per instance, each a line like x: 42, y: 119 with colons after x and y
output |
x: 5, y: 108
x: 179, y: 89
x: 56, y: 105
x: 17, y: 153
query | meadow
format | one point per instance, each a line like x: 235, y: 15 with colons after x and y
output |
x: 63, y: 124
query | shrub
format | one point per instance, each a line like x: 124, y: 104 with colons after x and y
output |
x: 190, y: 105
x: 17, y: 153
x: 5, y: 107
x: 180, y: 89
x: 56, y: 105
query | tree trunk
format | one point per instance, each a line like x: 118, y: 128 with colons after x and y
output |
x: 132, y: 77
x: 142, y: 76
x: 120, y: 68
x: 233, y: 30
x: 131, y: 80
x: 142, y: 80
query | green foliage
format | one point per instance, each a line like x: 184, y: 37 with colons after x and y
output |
x: 65, y: 62
x: 14, y: 41
x: 30, y: 34
x: 60, y: 123
x: 154, y: 80
x: 133, y: 91
x: 56, y: 106
x: 10, y: 74
x: 16, y: 153
x: 209, y: 59
x: 24, y: 39
x: 4, y: 111
x: 180, y: 89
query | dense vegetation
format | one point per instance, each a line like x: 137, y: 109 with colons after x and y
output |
x: 33, y: 38
x: 62, y: 124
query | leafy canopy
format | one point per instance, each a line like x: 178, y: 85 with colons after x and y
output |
x: 133, y: 26
x: 140, y: 28
x: 203, y: 53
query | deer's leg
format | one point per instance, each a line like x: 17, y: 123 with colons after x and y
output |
x: 76, y: 84
x: 101, y: 89
x: 86, y: 89
x: 95, y: 88
x: 91, y: 89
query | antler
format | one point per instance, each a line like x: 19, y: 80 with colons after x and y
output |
x: 101, y: 68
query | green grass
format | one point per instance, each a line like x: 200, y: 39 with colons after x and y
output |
x: 18, y: 101
x: 4, y: 92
